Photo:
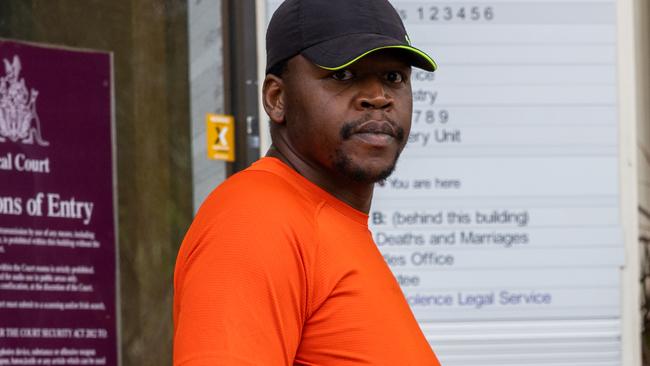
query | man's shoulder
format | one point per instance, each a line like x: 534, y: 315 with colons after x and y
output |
x: 260, y: 191
x: 253, y: 207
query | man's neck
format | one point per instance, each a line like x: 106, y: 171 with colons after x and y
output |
x: 356, y: 194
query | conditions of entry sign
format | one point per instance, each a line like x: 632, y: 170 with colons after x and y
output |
x: 57, y: 214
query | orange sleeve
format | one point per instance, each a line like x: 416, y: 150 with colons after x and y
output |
x: 240, y: 290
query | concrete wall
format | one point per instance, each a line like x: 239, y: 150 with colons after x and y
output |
x: 644, y: 125
x: 643, y: 159
x: 207, y: 91
x: 148, y: 39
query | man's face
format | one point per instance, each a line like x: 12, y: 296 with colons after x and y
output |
x: 354, y: 122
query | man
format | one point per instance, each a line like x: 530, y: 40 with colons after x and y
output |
x: 279, y: 267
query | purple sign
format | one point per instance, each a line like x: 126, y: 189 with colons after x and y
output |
x: 57, y: 223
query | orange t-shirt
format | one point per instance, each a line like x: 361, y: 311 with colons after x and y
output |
x: 276, y: 271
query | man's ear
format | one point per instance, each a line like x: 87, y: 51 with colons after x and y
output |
x: 273, y: 98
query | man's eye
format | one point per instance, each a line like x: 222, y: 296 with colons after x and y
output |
x: 394, y: 77
x: 342, y: 75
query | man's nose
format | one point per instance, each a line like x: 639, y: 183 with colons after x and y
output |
x: 373, y: 95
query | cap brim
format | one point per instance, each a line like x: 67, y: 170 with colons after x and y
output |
x: 341, y: 52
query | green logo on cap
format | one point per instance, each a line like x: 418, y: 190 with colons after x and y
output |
x: 408, y: 40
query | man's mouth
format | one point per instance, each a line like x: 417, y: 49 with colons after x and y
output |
x: 374, y: 132
x: 374, y: 138
x: 376, y: 127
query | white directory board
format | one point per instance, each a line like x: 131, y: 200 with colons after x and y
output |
x: 502, y: 222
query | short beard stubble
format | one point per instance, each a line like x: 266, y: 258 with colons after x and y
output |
x: 355, y: 172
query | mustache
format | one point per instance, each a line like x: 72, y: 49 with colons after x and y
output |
x: 368, y: 124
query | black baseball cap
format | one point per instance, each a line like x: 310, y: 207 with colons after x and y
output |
x: 333, y: 34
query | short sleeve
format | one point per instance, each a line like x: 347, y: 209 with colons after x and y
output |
x: 239, y: 290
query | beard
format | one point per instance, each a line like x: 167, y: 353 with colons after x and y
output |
x: 357, y: 172
x: 346, y: 167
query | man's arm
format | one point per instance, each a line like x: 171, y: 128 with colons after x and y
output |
x: 240, y: 292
